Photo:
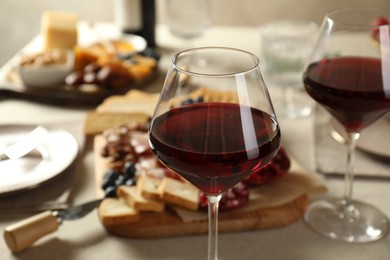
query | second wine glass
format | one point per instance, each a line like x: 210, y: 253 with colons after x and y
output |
x: 214, y: 125
x: 348, y: 74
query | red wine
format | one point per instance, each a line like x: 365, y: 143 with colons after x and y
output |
x: 350, y: 88
x: 210, y: 146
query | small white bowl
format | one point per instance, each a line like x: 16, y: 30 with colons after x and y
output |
x: 50, y: 75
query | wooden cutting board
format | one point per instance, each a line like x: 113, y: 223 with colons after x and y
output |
x: 169, y: 224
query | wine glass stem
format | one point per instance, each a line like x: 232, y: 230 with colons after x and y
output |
x: 351, y: 141
x: 213, y: 204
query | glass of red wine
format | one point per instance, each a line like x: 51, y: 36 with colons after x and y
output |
x: 349, y: 75
x: 222, y: 136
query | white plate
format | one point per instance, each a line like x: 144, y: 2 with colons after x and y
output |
x: 375, y: 139
x: 56, y: 152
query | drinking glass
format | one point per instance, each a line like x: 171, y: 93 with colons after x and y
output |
x: 349, y: 75
x: 214, y: 142
x: 188, y: 19
x: 285, y: 48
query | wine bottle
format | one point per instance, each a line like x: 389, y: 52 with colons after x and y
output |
x: 137, y: 17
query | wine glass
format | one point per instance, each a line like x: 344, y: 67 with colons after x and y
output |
x: 285, y: 47
x: 349, y: 75
x: 219, y: 138
x: 188, y: 19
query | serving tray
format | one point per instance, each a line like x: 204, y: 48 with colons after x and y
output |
x: 88, y: 95
x: 11, y: 86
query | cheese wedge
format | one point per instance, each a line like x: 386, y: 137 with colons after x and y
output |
x: 59, y: 30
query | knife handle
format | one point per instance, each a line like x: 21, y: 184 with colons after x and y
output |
x: 22, y: 234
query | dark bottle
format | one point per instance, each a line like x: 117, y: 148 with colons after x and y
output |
x: 137, y: 17
x: 149, y: 21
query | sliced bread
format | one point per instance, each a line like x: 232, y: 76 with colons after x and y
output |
x: 179, y: 193
x: 113, y: 211
x: 135, y: 200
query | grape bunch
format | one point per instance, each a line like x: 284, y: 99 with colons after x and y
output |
x: 112, y: 179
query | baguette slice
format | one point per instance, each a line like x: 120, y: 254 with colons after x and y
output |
x: 135, y: 200
x: 113, y: 211
x: 148, y: 187
x: 179, y: 193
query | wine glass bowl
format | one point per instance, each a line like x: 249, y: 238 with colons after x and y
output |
x: 285, y: 47
x: 349, y: 75
x: 188, y: 19
x: 214, y: 124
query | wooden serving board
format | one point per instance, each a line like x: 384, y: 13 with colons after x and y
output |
x: 169, y: 224
x: 84, y: 96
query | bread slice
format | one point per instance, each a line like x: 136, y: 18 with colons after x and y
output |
x: 113, y: 211
x: 134, y: 107
x: 134, y: 101
x: 96, y: 123
x: 135, y: 200
x: 148, y: 187
x: 179, y: 193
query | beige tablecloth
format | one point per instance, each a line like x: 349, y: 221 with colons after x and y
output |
x: 86, y: 239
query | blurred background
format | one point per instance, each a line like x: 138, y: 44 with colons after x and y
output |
x: 20, y: 19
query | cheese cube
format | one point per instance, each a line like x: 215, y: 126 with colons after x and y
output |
x: 59, y: 30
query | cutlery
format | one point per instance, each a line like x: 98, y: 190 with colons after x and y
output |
x: 22, y: 234
x: 32, y: 208
x: 24, y: 145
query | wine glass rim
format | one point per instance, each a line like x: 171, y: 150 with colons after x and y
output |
x: 330, y: 14
x: 255, y: 65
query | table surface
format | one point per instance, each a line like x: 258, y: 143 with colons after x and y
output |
x: 86, y: 238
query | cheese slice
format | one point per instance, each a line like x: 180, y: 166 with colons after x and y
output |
x: 59, y: 30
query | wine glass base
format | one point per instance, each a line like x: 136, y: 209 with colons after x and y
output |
x: 355, y: 222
